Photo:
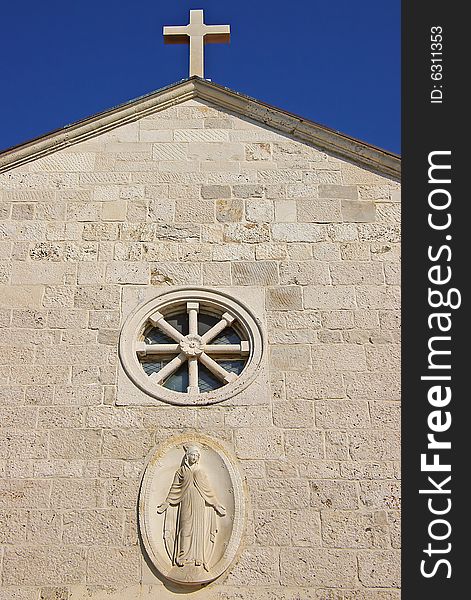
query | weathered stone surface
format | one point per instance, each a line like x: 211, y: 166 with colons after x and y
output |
x: 309, y: 567
x: 339, y: 494
x: 352, y: 529
x: 44, y: 565
x: 193, y: 195
x: 379, y: 569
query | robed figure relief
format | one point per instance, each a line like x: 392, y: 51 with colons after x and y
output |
x: 191, y: 514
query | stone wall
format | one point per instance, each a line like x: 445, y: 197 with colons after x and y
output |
x: 197, y: 196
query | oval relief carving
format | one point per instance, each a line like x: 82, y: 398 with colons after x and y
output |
x: 191, y: 509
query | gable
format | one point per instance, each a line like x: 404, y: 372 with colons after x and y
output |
x: 165, y: 101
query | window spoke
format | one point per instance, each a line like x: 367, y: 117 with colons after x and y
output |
x: 144, y: 349
x: 157, y: 320
x: 169, y: 369
x: 193, y: 375
x: 241, y: 349
x: 216, y: 369
x: 225, y: 321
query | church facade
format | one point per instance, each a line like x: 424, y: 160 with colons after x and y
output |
x: 199, y: 308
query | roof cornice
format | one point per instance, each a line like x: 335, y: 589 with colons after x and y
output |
x: 361, y: 153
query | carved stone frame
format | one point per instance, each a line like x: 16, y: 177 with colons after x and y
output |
x: 151, y: 471
x: 136, y: 321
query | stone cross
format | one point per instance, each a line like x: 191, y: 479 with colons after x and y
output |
x: 196, y: 34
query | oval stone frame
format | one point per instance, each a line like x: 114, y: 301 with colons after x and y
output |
x: 227, y: 480
x: 136, y: 321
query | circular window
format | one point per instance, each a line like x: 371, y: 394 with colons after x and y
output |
x: 191, y: 346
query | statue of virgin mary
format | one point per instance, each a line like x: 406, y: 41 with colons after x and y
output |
x: 191, y: 506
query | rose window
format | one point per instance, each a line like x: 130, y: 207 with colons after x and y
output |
x: 190, y: 349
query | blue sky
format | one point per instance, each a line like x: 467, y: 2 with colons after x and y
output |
x: 337, y: 63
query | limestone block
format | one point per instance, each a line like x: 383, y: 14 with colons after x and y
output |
x: 373, y: 385
x: 296, y: 414
x: 394, y: 520
x: 380, y: 568
x: 367, y: 470
x: 13, y: 525
x: 311, y: 386
x: 172, y: 151
x: 255, y: 273
x: 82, y: 395
x: 290, y: 357
x: 338, y: 191
x: 299, y: 232
x: 247, y: 190
x: 40, y: 375
x: 201, y: 135
x: 347, y: 529
x: 258, y: 151
x: 91, y: 527
x: 375, y: 444
x: 342, y: 414
x: 39, y: 273
x: 385, y: 252
x: 304, y: 443
x: 253, y: 443
x: 228, y: 210
x: 338, y: 357
x: 271, y: 252
x: 388, y: 213
x: 251, y: 233
x: 385, y: 414
x: 319, y: 211
x: 304, y: 273
x: 58, y: 468
x: 44, y: 527
x: 44, y: 565
x: 356, y: 273
x: 284, y: 298
x: 338, y: 319
x: 126, y: 444
x: 380, y: 494
x: 279, y: 468
x: 247, y: 416
x: 51, y: 417
x: 114, y: 210
x: 257, y: 565
x: 113, y: 566
x: 377, y: 232
x: 176, y: 232
x: 168, y: 273
x: 305, y: 528
x: 233, y: 252
x: 194, y: 211
x: 358, y: 211
x: 285, y: 494
x: 272, y: 527
x: 75, y: 443
x: 383, y: 357
x: 77, y: 494
x: 286, y: 211
x: 381, y: 297
x: 97, y: 297
x: 355, y: 251
x: 127, y: 273
x: 392, y: 273
x: 54, y: 593
x: 329, y: 297
x: 308, y: 567
x: 319, y: 469
x: 259, y: 211
x: 303, y: 319
x: 341, y: 495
